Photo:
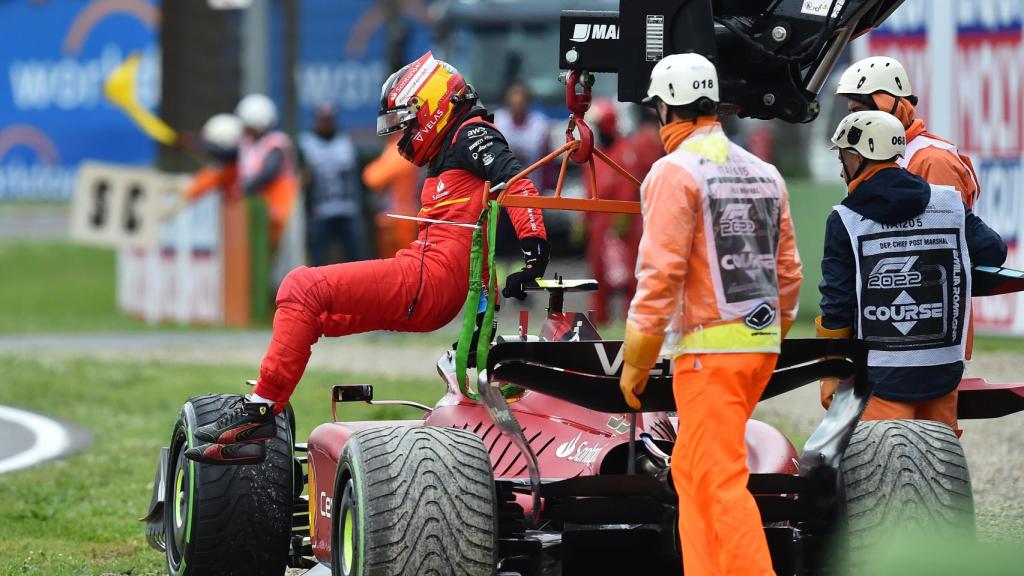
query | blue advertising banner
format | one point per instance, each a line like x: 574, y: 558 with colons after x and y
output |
x: 343, y: 56
x: 55, y: 57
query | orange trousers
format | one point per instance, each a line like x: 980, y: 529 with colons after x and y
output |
x: 941, y: 409
x: 719, y: 524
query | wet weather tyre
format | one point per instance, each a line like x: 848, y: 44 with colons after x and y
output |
x: 227, y: 520
x: 414, y: 500
x: 905, y: 475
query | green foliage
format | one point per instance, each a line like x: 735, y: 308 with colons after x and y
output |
x: 79, y: 516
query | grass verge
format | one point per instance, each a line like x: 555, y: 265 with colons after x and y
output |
x: 58, y: 287
x: 79, y: 516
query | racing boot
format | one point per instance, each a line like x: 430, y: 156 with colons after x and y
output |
x: 244, y: 422
x: 229, y: 454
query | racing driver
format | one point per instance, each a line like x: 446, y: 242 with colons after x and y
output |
x: 718, y: 276
x: 419, y: 290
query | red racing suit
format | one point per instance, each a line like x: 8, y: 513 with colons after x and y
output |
x: 621, y: 232
x: 419, y: 290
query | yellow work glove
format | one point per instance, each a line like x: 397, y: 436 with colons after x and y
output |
x: 829, y: 385
x: 640, y: 353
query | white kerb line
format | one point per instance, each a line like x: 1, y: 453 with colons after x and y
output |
x: 432, y: 221
x: 51, y: 439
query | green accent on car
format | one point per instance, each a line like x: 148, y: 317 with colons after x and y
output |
x: 348, y: 546
x: 358, y: 492
x: 191, y: 488
x: 178, y: 495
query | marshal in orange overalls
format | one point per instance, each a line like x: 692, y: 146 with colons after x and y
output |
x: 718, y: 277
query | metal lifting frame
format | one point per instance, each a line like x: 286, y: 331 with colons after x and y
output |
x: 580, y: 151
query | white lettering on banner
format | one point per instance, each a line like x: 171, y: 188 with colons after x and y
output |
x: 22, y: 181
x: 990, y: 99
x: 351, y: 85
x: 74, y: 84
x: 1000, y: 204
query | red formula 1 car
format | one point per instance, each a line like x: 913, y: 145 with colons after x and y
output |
x: 557, y: 477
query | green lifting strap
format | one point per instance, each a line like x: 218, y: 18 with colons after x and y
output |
x: 488, y: 221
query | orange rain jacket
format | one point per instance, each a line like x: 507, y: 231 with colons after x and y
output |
x: 705, y: 305
x: 933, y: 158
x: 398, y: 178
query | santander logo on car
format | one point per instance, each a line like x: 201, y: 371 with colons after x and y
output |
x: 579, y: 452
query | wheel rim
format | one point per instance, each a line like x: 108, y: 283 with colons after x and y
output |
x: 179, y: 501
x: 179, y: 498
x: 347, y: 530
x: 348, y: 546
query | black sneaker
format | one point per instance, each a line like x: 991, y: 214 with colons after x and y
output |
x: 244, y: 422
x: 229, y: 454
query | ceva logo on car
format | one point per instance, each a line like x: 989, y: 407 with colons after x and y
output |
x: 579, y: 452
x: 326, y: 503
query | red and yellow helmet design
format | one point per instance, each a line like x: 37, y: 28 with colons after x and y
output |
x: 424, y: 99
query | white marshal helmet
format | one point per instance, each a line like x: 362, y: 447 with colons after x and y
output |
x: 873, y: 134
x: 681, y: 79
x: 223, y: 131
x: 875, y: 74
x: 258, y: 112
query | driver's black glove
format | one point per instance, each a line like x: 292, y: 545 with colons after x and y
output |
x: 536, y: 253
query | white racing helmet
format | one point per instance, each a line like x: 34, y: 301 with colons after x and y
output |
x: 223, y: 131
x: 873, y: 134
x: 875, y: 74
x: 257, y: 112
x: 681, y: 79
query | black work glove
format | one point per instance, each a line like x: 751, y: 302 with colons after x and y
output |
x: 536, y: 253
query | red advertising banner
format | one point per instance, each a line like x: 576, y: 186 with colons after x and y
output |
x: 985, y: 109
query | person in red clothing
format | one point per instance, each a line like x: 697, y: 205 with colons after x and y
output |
x: 613, y: 239
x: 419, y: 290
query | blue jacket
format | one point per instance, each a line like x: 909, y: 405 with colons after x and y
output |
x: 892, y: 196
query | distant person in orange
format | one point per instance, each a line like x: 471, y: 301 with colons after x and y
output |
x: 397, y: 180
x: 266, y: 161
x: 718, y: 276
x: 219, y: 139
x: 612, y: 239
x: 881, y: 83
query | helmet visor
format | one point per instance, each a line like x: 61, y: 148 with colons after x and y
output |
x: 391, y: 121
